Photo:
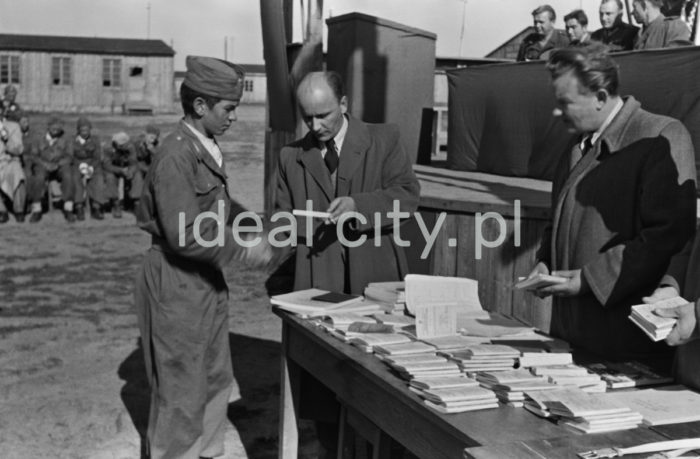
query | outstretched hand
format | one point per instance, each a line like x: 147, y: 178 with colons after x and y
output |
x: 660, y: 294
x: 338, y: 207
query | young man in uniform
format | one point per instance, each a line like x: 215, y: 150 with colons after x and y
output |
x: 181, y: 296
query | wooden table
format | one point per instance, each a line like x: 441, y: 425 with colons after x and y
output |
x: 364, y: 383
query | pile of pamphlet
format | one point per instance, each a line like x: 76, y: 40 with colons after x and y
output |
x: 656, y: 327
x: 510, y: 386
x: 581, y: 411
x: 484, y: 357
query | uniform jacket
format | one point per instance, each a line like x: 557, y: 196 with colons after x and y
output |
x: 186, y: 179
x: 51, y: 156
x: 531, y: 49
x: 115, y: 159
x: 620, y: 214
x: 374, y: 171
x: 620, y: 37
x: 89, y: 152
x: 144, y: 156
x: 664, y: 32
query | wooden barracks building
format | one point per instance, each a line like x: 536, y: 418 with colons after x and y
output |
x: 88, y: 74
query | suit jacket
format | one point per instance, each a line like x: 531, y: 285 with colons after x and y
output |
x: 531, y: 49
x: 619, y: 215
x: 375, y: 172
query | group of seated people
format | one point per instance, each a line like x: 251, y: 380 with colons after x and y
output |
x: 88, y: 170
x: 657, y: 30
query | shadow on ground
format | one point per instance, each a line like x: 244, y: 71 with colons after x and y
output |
x: 255, y: 415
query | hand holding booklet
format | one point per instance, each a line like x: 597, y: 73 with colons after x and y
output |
x: 538, y: 281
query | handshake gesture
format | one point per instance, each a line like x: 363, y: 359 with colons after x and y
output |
x: 262, y: 254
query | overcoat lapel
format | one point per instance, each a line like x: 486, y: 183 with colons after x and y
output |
x: 355, y: 146
x: 310, y: 157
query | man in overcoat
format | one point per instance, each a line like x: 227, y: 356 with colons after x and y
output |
x: 623, y: 204
x: 344, y: 165
x: 181, y: 295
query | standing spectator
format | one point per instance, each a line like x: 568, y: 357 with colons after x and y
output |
x: 616, y: 34
x: 10, y: 109
x: 87, y: 154
x: 146, y: 149
x: 546, y: 38
x: 12, y: 178
x: 121, y: 163
x: 658, y: 31
x: 50, y: 159
x: 577, y: 28
x: 623, y: 203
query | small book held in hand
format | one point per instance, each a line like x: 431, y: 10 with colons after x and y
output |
x: 538, y: 281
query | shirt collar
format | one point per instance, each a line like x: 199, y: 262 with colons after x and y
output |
x: 611, y: 116
x: 339, y: 138
x: 209, y: 144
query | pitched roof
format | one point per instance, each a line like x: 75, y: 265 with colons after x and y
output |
x: 85, y: 45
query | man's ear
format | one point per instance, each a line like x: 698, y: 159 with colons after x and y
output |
x: 199, y: 105
x: 602, y: 96
x: 344, y: 104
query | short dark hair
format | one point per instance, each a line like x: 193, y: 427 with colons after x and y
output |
x: 542, y: 8
x: 579, y: 16
x: 656, y: 3
x: 188, y: 95
x: 591, y: 65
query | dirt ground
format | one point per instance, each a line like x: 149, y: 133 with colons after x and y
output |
x: 72, y: 381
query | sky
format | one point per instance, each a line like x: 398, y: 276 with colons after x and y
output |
x: 466, y: 28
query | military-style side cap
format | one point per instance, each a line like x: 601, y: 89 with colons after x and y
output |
x: 55, y: 121
x: 82, y: 121
x: 151, y: 129
x: 120, y: 139
x: 214, y: 77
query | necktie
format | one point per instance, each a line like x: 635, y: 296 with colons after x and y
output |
x: 331, y: 158
x: 580, y: 151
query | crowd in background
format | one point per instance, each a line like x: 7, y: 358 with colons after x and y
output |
x: 88, y: 170
x: 657, y: 30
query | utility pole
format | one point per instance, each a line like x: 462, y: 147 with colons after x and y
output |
x: 225, y: 48
x: 148, y: 20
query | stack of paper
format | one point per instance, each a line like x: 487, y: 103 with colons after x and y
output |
x: 628, y: 374
x: 571, y: 375
x: 583, y: 412
x: 441, y: 382
x: 538, y: 281
x: 484, y: 357
x: 302, y: 303
x: 656, y: 327
x: 397, y: 320
x: 491, y: 325
x: 439, y: 367
x: 453, y: 343
x: 367, y: 341
x: 391, y: 295
x: 342, y: 320
x: 510, y: 386
x: 666, y: 405
x: 411, y: 347
x: 538, y: 359
x: 460, y: 399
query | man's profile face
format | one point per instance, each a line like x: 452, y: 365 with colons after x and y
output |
x: 574, y: 30
x: 577, y: 107
x: 638, y: 12
x: 321, y: 110
x: 217, y: 119
x: 543, y: 23
x: 609, y: 14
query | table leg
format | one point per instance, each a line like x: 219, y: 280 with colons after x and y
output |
x: 289, y: 394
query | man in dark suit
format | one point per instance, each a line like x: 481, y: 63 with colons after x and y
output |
x: 616, y: 34
x: 623, y: 203
x: 344, y: 165
x: 341, y: 166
